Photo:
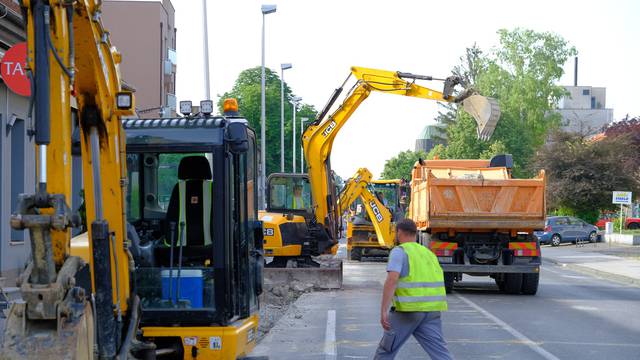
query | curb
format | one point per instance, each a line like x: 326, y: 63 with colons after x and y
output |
x: 598, y: 273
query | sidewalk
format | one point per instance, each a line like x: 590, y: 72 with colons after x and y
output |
x: 618, y: 263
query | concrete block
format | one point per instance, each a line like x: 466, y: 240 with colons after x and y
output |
x: 627, y: 239
x: 320, y: 278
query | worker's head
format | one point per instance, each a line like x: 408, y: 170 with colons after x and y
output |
x: 297, y: 190
x: 406, y: 231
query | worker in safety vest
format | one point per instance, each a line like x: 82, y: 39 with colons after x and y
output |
x: 414, y: 290
x: 297, y: 202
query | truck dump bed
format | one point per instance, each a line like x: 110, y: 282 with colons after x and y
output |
x: 468, y: 196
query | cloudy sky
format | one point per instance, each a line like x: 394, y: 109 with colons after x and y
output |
x: 322, y: 39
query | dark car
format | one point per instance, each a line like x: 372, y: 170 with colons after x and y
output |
x: 559, y: 229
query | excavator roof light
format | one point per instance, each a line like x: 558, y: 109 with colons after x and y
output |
x: 186, y: 107
x: 230, y: 106
x: 206, y: 106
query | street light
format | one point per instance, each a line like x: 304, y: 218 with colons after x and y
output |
x: 283, y: 67
x: 294, y: 101
x: 266, y: 9
x: 302, y: 121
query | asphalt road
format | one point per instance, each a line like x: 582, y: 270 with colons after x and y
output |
x: 573, y: 316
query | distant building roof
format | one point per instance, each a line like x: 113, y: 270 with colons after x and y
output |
x: 431, y: 131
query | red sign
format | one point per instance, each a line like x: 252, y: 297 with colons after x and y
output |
x: 13, y: 68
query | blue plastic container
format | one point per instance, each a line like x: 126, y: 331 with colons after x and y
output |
x: 191, y: 286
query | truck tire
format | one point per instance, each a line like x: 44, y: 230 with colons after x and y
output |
x: 530, y: 283
x: 633, y: 226
x: 448, y: 282
x: 512, y: 283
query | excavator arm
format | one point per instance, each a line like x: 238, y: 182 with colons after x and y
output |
x: 70, y: 54
x: 381, y: 218
x: 318, y: 138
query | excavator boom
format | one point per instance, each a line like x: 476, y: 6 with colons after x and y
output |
x: 319, y: 135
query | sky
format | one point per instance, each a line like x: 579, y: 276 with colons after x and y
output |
x: 323, y: 39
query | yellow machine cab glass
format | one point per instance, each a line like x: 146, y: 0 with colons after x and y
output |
x: 169, y: 207
x: 288, y: 192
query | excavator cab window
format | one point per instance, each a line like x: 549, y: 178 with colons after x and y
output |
x: 289, y: 192
x: 192, y: 214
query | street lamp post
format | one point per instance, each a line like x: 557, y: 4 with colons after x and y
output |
x: 294, y: 101
x: 302, y: 121
x: 283, y: 67
x: 266, y: 9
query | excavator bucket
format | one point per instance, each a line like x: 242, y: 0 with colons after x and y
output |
x: 485, y: 111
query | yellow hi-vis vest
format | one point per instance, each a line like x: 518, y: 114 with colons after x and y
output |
x: 298, y: 204
x: 423, y: 288
x: 206, y: 211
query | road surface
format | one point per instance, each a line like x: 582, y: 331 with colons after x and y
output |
x: 573, y: 316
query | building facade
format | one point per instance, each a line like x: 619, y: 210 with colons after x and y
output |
x: 144, y: 33
x: 584, y: 110
x: 17, y: 151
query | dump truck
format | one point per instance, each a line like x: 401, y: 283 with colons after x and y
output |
x: 480, y: 221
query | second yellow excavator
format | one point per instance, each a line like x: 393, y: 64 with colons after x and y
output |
x: 302, y: 217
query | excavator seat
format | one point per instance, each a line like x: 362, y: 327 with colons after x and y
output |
x: 196, y: 174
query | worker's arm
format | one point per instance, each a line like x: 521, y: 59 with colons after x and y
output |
x: 387, y: 295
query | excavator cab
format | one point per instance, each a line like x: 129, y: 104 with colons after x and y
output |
x: 291, y: 232
x: 191, y: 206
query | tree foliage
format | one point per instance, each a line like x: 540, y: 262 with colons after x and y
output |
x: 247, y: 91
x: 521, y: 73
x: 400, y: 166
x: 581, y: 175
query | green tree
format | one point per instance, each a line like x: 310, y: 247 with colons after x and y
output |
x: 581, y: 175
x: 247, y: 91
x: 522, y: 74
x: 400, y: 166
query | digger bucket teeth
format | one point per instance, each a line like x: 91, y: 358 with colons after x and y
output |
x: 485, y: 111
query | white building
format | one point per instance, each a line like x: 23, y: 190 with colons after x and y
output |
x: 584, y: 110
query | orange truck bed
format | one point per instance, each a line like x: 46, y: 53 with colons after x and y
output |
x: 467, y: 195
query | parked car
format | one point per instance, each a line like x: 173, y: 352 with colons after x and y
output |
x: 629, y: 223
x: 559, y: 229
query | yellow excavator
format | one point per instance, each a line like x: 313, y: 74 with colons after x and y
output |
x: 363, y: 238
x: 310, y: 225
x: 145, y: 280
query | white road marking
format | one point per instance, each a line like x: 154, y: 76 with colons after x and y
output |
x: 518, y: 335
x: 330, y: 351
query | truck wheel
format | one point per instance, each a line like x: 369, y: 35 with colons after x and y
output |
x: 448, y: 282
x: 530, y: 283
x: 512, y: 283
x: 633, y: 226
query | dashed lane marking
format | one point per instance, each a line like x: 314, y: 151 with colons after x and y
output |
x: 518, y: 335
x: 330, y: 351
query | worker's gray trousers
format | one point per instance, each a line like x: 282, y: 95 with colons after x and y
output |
x: 426, y: 327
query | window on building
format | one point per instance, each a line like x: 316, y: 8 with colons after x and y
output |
x: 593, y: 102
x: 18, y: 136
x: 586, y: 92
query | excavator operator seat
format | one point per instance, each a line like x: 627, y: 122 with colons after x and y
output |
x: 190, y: 202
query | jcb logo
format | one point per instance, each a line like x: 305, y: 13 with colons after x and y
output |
x: 329, y: 129
x: 376, y: 211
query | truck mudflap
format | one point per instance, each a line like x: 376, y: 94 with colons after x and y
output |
x: 491, y: 269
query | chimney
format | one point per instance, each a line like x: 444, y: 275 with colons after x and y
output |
x: 575, y: 73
